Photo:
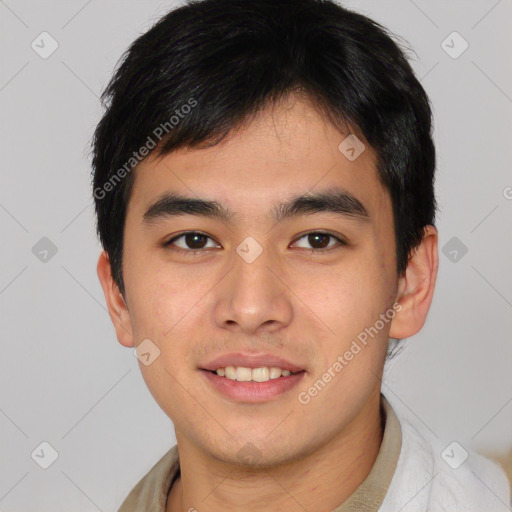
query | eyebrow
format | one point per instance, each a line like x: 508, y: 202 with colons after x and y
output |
x: 334, y: 200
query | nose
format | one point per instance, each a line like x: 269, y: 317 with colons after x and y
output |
x: 254, y: 297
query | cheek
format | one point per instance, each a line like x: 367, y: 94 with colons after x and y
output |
x: 167, y: 310
x: 351, y: 303
x: 351, y: 297
x: 180, y: 303
x: 163, y: 297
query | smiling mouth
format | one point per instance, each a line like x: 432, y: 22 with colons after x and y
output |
x: 256, y: 375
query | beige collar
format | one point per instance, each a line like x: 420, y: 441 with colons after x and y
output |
x: 151, y: 491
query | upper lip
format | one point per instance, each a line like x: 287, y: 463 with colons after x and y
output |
x: 250, y: 360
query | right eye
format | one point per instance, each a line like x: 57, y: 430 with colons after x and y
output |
x: 191, y: 241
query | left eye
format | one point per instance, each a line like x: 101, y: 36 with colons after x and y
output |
x: 320, y: 239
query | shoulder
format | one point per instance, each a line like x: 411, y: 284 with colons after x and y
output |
x: 436, y: 476
x: 150, y: 493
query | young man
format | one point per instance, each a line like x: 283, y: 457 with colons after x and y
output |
x: 263, y: 179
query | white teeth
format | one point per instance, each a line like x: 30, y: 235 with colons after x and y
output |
x: 275, y: 372
x: 243, y: 374
x: 230, y: 372
x: 260, y: 374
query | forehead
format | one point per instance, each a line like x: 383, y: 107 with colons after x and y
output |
x: 287, y: 150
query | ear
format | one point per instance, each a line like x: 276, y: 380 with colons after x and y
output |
x: 116, y: 304
x: 416, y: 287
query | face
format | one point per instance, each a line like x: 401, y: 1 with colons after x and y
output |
x: 300, y: 284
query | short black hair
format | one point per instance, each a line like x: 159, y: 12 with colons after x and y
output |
x: 209, y: 66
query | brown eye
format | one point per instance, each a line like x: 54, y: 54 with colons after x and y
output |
x: 191, y: 241
x: 195, y: 240
x: 319, y: 241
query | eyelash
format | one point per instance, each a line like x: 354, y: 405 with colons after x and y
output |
x: 198, y: 252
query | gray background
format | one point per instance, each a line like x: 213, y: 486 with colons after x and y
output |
x: 65, y: 379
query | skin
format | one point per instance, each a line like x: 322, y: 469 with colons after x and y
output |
x: 307, y: 308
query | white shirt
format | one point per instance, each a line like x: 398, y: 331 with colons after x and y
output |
x: 409, y: 475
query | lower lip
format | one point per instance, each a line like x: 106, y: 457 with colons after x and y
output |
x: 253, y: 391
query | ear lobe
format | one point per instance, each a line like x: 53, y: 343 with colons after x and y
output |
x: 416, y: 287
x: 116, y: 304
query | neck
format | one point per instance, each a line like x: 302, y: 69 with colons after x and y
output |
x: 319, y: 482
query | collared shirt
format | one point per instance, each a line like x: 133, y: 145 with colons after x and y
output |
x: 150, y: 493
